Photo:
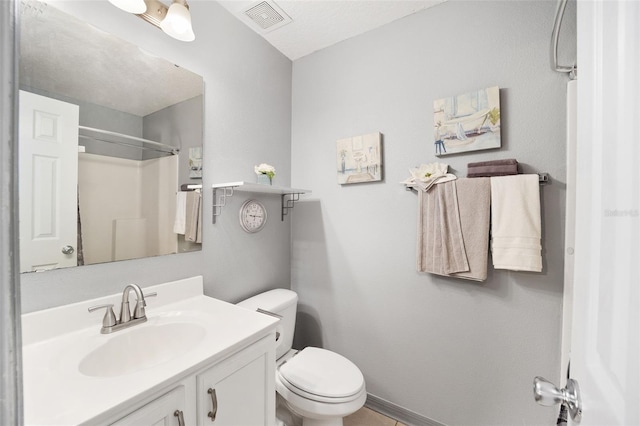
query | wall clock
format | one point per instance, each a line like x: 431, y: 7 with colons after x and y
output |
x: 253, y: 216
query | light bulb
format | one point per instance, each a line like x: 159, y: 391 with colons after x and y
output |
x: 177, y: 23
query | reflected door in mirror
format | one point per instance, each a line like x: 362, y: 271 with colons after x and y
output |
x: 48, y: 170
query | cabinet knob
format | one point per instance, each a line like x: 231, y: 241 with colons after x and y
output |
x: 214, y: 403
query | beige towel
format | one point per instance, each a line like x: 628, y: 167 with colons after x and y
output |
x: 474, y: 198
x: 193, y: 224
x: 515, y: 223
x: 440, y: 247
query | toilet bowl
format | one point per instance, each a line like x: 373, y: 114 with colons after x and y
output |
x: 316, y: 384
x: 321, y: 386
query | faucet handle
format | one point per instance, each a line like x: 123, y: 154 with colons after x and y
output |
x: 139, y: 309
x: 109, y: 319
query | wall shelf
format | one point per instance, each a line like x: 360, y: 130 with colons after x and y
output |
x: 288, y: 196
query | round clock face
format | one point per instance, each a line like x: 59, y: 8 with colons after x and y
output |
x: 253, y: 216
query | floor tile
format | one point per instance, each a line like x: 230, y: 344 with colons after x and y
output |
x: 367, y: 417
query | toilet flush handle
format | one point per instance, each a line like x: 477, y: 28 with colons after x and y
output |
x: 273, y: 314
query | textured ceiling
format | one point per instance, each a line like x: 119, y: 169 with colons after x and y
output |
x: 61, y: 54
x: 317, y: 24
x: 64, y: 55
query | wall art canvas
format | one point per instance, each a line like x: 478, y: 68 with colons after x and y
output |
x: 468, y: 122
x: 359, y: 159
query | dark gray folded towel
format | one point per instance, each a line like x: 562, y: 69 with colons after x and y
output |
x: 492, y: 168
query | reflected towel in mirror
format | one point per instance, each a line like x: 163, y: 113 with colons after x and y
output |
x: 193, y: 224
x: 179, y: 224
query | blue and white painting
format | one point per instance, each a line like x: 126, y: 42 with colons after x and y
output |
x: 467, y: 122
x: 359, y: 159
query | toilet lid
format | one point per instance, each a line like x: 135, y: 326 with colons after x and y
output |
x: 324, y: 373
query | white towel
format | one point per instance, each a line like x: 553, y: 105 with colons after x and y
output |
x: 515, y: 223
x: 180, y: 222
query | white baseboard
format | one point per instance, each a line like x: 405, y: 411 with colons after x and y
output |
x: 401, y: 414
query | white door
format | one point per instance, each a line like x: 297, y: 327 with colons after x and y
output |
x: 48, y: 176
x: 605, y: 341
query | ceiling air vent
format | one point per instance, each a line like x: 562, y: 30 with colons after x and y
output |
x: 267, y: 15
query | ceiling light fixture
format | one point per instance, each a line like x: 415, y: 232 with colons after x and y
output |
x: 174, y: 20
x: 177, y: 23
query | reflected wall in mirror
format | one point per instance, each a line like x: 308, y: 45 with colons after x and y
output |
x: 106, y: 135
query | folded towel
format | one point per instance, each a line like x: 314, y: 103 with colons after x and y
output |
x: 474, y: 198
x: 440, y: 247
x: 428, y: 183
x: 492, y: 168
x: 193, y: 222
x: 427, y: 175
x: 181, y: 213
x: 515, y: 223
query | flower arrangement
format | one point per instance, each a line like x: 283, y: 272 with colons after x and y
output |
x: 265, y: 170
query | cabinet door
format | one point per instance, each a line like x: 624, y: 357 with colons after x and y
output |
x: 160, y: 412
x: 239, y: 391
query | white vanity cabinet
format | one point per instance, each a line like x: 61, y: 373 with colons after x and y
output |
x: 240, y: 390
x: 165, y: 410
x: 189, y: 344
x: 237, y: 391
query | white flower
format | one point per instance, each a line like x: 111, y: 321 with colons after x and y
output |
x: 429, y: 171
x: 265, y: 169
x: 427, y: 175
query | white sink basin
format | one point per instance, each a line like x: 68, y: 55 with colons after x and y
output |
x: 140, y: 347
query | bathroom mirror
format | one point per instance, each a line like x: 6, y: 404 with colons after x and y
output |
x: 128, y: 126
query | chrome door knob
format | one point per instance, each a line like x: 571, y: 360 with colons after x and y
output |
x: 547, y: 394
x: 67, y: 250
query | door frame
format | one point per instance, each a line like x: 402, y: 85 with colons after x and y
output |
x: 10, y: 334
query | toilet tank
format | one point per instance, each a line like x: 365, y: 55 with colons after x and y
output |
x: 281, y: 302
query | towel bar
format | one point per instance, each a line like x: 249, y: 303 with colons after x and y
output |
x: 543, y: 179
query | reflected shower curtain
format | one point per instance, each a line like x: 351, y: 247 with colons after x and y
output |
x: 79, y: 242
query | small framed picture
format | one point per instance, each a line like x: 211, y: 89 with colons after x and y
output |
x: 359, y: 159
x: 468, y: 122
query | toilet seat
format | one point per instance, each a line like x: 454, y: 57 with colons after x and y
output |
x: 323, y: 376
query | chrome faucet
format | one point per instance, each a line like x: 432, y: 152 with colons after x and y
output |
x: 109, y: 323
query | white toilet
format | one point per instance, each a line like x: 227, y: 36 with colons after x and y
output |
x: 320, y: 386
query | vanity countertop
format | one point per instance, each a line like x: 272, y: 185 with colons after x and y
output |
x: 58, y: 345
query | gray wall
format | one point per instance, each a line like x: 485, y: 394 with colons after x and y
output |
x: 177, y: 125
x: 247, y: 121
x: 458, y: 352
